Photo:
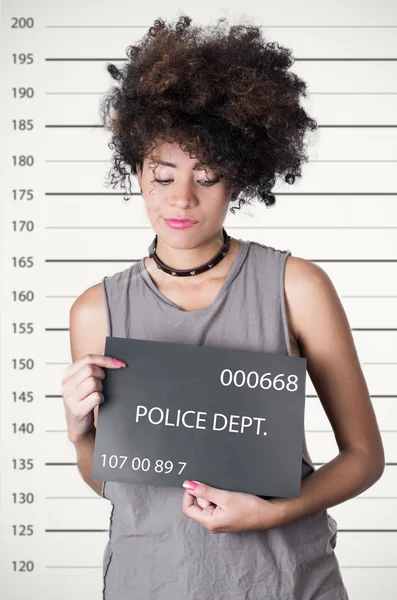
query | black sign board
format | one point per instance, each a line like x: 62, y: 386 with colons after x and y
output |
x: 233, y: 419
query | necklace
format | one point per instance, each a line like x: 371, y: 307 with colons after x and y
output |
x: 186, y: 272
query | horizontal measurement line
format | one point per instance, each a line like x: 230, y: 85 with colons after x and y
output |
x: 96, y: 194
x: 307, y: 430
x: 311, y: 93
x: 341, y: 566
x: 72, y: 567
x: 347, y: 160
x: 307, y: 395
x: 57, y: 363
x: 100, y: 498
x: 60, y: 464
x: 76, y: 530
x: 276, y: 194
x: 210, y: 26
x: 338, y: 93
x: 90, y: 260
x: 73, y: 464
x: 319, y: 126
x: 106, y: 530
x: 372, y: 396
x: 131, y: 260
x: 296, y: 59
x: 343, y: 296
x: 234, y: 227
x: 351, y: 329
x: 73, y: 497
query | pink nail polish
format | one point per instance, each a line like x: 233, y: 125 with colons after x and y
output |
x: 118, y: 362
x: 190, y: 485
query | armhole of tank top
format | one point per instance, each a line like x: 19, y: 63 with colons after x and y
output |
x: 108, y: 333
x: 107, y: 308
x: 103, y: 490
x: 286, y: 254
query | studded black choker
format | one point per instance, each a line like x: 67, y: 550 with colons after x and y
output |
x: 186, y: 272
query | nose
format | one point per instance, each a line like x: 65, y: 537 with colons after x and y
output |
x: 183, y: 196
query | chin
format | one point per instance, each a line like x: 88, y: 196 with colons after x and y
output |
x: 187, y: 243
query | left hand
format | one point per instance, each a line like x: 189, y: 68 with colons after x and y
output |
x: 222, y: 511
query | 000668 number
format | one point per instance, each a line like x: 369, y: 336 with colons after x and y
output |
x: 252, y: 380
x: 137, y: 464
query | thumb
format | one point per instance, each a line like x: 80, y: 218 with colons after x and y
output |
x: 206, y: 492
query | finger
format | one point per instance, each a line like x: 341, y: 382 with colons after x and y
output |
x: 206, y: 492
x: 89, y: 390
x: 83, y: 381
x: 187, y: 500
x: 191, y: 510
x: 85, y: 371
x: 83, y: 407
x: 204, y: 503
x: 97, y: 359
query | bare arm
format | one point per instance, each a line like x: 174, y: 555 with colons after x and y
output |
x: 320, y: 325
x: 87, y: 323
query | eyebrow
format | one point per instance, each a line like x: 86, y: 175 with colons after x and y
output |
x: 197, y: 167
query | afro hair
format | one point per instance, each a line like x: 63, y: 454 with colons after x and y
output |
x: 224, y: 94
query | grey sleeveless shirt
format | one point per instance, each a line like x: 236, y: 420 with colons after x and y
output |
x: 156, y: 553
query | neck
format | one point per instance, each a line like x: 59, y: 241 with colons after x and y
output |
x: 190, y: 258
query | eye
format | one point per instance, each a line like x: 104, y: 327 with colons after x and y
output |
x: 210, y: 181
x: 205, y: 182
x: 162, y: 180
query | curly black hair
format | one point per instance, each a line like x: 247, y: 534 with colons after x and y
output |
x: 226, y: 97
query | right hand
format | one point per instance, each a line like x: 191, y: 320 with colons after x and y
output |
x: 82, y: 392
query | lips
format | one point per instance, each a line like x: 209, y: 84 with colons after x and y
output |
x: 181, y: 220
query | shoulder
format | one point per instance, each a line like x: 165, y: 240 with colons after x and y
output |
x: 303, y: 276
x: 270, y: 252
x: 88, y: 310
x: 309, y: 292
x: 120, y: 278
x: 87, y: 323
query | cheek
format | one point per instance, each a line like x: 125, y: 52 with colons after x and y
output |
x: 155, y: 201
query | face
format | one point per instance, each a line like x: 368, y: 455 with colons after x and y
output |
x: 183, y: 189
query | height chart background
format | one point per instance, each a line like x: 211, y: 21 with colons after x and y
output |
x: 62, y: 230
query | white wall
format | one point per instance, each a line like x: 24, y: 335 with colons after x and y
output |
x: 342, y: 210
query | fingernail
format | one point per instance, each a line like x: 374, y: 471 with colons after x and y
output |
x: 190, y: 485
x: 118, y: 362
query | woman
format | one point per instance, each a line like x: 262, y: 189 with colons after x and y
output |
x: 204, y: 120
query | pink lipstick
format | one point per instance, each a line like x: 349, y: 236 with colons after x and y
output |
x: 180, y: 223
